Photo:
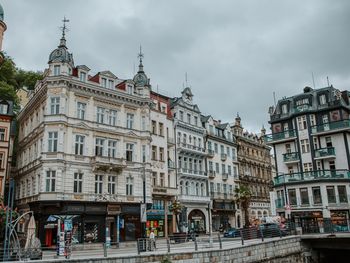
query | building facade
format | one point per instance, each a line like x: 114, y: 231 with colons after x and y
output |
x: 164, y: 183
x: 222, y: 170
x: 191, y: 156
x: 84, y: 152
x: 255, y: 169
x: 310, y: 137
x: 6, y: 142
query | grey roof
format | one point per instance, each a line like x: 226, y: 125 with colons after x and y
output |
x: 205, y: 118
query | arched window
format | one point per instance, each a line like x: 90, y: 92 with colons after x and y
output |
x: 202, y: 189
x: 178, y: 137
x: 184, y: 139
x: 197, y: 189
x: 193, y: 189
x: 187, y: 188
x: 181, y: 187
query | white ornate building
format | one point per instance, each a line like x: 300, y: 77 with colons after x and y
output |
x: 84, y: 151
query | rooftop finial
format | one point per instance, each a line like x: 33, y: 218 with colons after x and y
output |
x: 64, y: 29
x: 140, y: 56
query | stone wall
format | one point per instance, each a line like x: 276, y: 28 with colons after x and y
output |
x: 287, y: 250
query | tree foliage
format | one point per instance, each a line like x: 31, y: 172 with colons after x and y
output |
x: 244, y: 196
x: 13, y: 78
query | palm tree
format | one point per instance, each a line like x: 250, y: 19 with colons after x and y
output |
x: 176, y: 208
x: 243, y: 196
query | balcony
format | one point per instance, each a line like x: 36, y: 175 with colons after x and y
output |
x: 211, y: 153
x: 212, y: 174
x: 320, y: 175
x: 325, y: 153
x: 104, y: 163
x: 161, y: 190
x: 292, y: 157
x: 223, y: 157
x: 191, y: 148
x: 280, y: 136
x: 194, y: 199
x: 192, y: 173
x: 331, y: 127
x: 225, y: 176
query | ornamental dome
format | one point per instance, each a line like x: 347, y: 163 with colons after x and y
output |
x: 141, y: 78
x: 61, y: 54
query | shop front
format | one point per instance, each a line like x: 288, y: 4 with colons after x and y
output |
x: 196, y: 221
x: 156, y: 222
x: 340, y: 220
x: 130, y: 222
x: 310, y: 221
x: 223, y: 215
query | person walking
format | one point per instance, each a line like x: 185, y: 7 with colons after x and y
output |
x: 152, y: 240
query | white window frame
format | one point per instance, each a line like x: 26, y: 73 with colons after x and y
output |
x: 79, y: 144
x: 130, y: 120
x: 52, y: 141
x: 55, y: 105
x: 81, y: 108
x: 78, y: 183
x: 50, y: 181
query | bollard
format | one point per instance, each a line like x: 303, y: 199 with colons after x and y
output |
x: 195, y: 244
x: 242, y: 238
x: 220, y: 243
x: 168, y: 244
x: 105, y: 250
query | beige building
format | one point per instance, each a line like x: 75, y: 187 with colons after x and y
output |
x: 255, y: 168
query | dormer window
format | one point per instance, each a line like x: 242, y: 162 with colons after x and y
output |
x: 110, y: 84
x: 83, y: 76
x: 129, y: 89
x: 323, y: 99
x: 304, y: 101
x: 56, y: 70
x: 104, y: 82
x: 3, y: 108
x: 284, y: 108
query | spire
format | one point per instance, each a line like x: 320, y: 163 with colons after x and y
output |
x: 64, y: 29
x: 140, y: 56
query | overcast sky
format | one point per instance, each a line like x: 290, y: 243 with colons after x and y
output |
x: 236, y: 53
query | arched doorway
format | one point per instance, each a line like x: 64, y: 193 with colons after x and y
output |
x: 196, y: 221
x: 239, y: 221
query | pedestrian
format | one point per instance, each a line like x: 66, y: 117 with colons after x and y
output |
x: 152, y: 240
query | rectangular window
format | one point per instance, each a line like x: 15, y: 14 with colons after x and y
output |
x: 143, y: 123
x: 100, y: 114
x: 154, y: 152
x: 154, y: 127
x: 305, y: 146
x: 50, y: 181
x: 111, y: 185
x: 331, y: 194
x: 211, y: 166
x: 129, y: 121
x: 217, y: 168
x: 53, y: 139
x: 161, y: 154
x: 307, y: 167
x: 55, y: 105
x: 302, y: 122
x: 112, y: 148
x: 82, y: 76
x: 110, y: 84
x: 129, y: 89
x: 112, y: 117
x: 81, y: 108
x: 104, y: 82
x: 223, y: 168
x: 3, y: 108
x: 188, y: 118
x: 323, y: 99
x: 222, y: 149
x: 284, y: 109
x: 161, y: 179
x: 292, y: 197
x: 195, y: 118
x: 161, y: 129
x: 181, y: 115
x: 154, y: 178
x: 129, y: 152
x: 229, y: 170
x: 99, y: 146
x: 2, y: 134
x: 1, y: 160
x: 144, y: 153
x: 304, y: 196
x: 218, y: 187
x: 78, y: 183
x: 98, y: 184
x: 129, y: 185
x: 342, y: 194
x: 216, y: 148
x: 57, y: 70
x: 316, y: 194
x: 228, y: 152
x: 79, y: 144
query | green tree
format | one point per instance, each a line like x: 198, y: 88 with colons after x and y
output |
x: 244, y: 196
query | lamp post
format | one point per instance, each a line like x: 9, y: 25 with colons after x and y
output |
x: 144, y: 215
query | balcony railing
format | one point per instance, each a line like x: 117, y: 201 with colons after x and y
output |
x: 223, y: 157
x: 274, y: 137
x: 194, y: 198
x: 312, y: 175
x: 224, y: 176
x: 330, y: 126
x: 291, y: 157
x: 212, y: 174
x: 324, y: 153
x: 191, y: 147
x: 211, y: 153
x: 192, y: 172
